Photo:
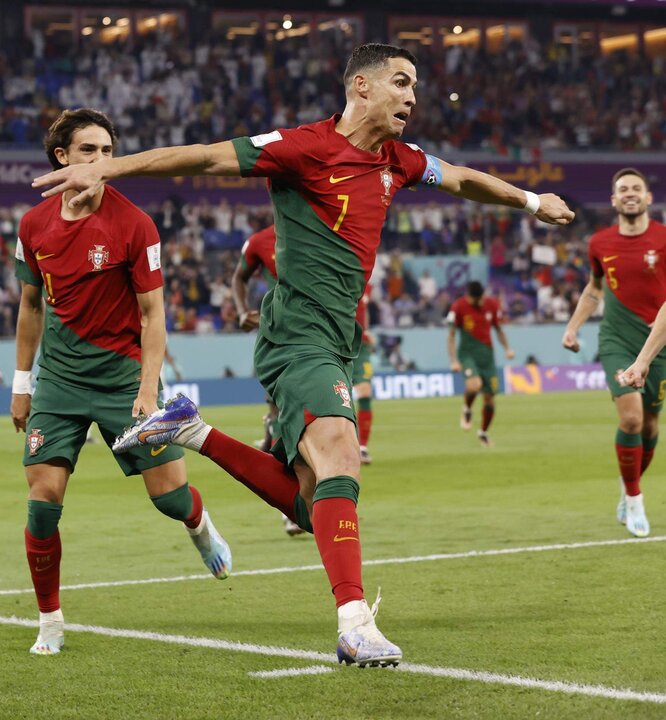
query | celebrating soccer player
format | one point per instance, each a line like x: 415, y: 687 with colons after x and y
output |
x: 96, y: 269
x: 331, y: 183
x: 474, y: 315
x: 628, y: 271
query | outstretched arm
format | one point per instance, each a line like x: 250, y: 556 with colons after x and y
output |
x: 636, y: 373
x: 587, y: 304
x: 87, y: 178
x: 484, y: 188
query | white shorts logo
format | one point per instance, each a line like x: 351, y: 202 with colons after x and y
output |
x: 154, y: 256
x: 266, y: 138
x: 20, y: 255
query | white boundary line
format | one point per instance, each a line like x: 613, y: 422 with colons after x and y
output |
x: 558, y: 686
x: 385, y: 561
x: 292, y: 672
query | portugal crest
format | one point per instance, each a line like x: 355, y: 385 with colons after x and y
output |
x: 651, y: 259
x: 386, y: 177
x: 342, y: 390
x: 98, y: 256
x: 35, y: 440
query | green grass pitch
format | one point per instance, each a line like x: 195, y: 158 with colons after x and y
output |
x: 585, y: 617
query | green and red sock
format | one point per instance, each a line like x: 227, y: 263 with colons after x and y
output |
x: 629, y: 449
x: 335, y: 524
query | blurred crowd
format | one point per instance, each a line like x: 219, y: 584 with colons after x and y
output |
x: 160, y: 90
x: 537, y: 271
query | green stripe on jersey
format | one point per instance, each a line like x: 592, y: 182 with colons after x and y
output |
x: 621, y: 329
x: 247, y: 154
x: 67, y: 358
x: 320, y: 281
x: 23, y: 272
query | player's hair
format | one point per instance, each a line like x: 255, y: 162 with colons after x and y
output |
x: 474, y: 289
x: 372, y: 55
x: 629, y: 171
x: 59, y: 135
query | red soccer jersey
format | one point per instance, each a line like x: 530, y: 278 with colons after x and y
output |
x: 634, y: 268
x: 259, y: 252
x: 330, y: 200
x: 90, y: 270
x: 476, y: 321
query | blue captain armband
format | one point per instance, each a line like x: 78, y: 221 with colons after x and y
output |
x: 432, y: 175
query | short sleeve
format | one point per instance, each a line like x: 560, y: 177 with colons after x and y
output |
x: 413, y: 162
x: 26, y: 268
x: 277, y: 154
x: 595, y: 265
x: 249, y: 259
x: 145, y: 256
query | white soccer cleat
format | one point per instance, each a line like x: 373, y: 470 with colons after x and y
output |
x: 51, y: 635
x: 637, y: 522
x: 365, y: 456
x: 466, y: 418
x: 484, y: 439
x: 359, y: 640
x: 213, y: 548
x: 290, y: 527
x: 621, y: 510
x: 177, y: 423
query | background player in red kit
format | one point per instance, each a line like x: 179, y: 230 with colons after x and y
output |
x: 474, y: 315
x: 628, y: 271
x: 331, y: 183
x: 362, y: 378
x: 97, y: 269
x: 258, y: 255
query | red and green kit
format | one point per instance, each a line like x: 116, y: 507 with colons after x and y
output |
x: 330, y: 200
x: 259, y: 252
x: 475, y: 349
x: 90, y: 271
x: 634, y: 273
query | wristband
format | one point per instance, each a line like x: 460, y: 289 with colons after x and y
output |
x: 532, y: 204
x: 22, y: 383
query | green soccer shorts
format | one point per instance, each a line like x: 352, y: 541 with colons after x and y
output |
x: 654, y: 390
x: 485, y: 369
x: 305, y: 382
x: 60, y: 418
x: 362, y: 366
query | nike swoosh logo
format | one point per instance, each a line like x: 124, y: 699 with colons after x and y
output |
x: 345, y: 537
x: 609, y: 258
x: 142, y: 437
x: 43, y: 569
x: 157, y: 450
x: 43, y: 257
x: 334, y: 180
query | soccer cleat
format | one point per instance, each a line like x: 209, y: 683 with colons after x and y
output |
x: 51, y: 636
x: 290, y: 527
x: 177, y: 423
x: 359, y: 639
x: 365, y: 456
x: 621, y: 510
x: 466, y: 419
x: 637, y: 522
x: 213, y: 548
x: 484, y: 439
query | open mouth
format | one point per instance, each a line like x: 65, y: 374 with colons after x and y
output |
x: 402, y: 116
